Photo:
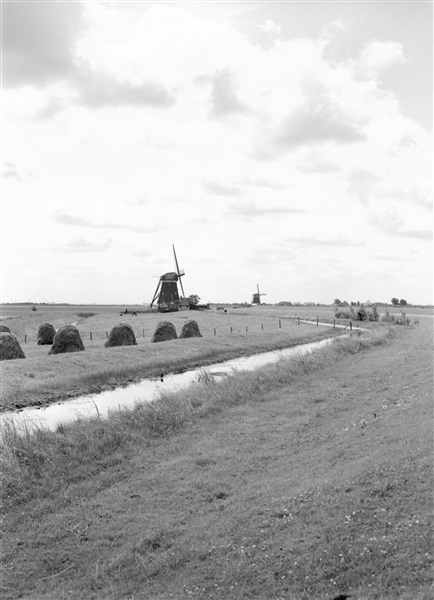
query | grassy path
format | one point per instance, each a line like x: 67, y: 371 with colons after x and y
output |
x: 302, y: 491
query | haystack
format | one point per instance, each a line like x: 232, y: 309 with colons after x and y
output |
x: 10, y: 347
x: 121, y: 335
x: 67, y: 339
x: 46, y: 333
x: 165, y: 331
x: 4, y: 328
x: 190, y: 329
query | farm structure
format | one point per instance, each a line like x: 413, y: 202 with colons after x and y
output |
x: 257, y: 296
x: 167, y: 296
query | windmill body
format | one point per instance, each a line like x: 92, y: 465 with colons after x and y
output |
x: 257, y: 296
x: 166, y: 295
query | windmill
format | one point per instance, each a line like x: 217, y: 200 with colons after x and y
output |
x: 166, y: 295
x: 257, y: 296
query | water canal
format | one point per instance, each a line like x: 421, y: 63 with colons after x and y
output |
x: 147, y: 390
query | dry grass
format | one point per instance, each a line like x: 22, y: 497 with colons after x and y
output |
x: 67, y: 340
x: 29, y: 456
x: 10, y: 348
x: 190, y: 329
x: 46, y: 334
x: 304, y: 480
x: 121, y: 335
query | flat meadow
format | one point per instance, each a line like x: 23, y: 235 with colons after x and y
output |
x: 309, y: 478
x: 40, y: 379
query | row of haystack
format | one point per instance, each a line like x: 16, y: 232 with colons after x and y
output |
x: 166, y: 331
x: 123, y: 334
x: 68, y: 339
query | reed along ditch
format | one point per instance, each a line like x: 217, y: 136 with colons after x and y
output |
x: 147, y: 390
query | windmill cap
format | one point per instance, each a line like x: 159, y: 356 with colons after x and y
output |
x: 170, y: 277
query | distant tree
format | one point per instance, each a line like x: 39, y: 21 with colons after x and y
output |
x: 344, y: 303
x: 395, y: 301
x: 362, y: 314
x: 403, y: 302
x: 337, y: 302
x: 194, y: 299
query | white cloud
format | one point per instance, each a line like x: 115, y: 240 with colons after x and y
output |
x: 221, y: 189
x: 318, y: 120
x: 224, y: 100
x: 379, y: 56
x: 162, y: 126
x: 65, y: 219
x: 250, y: 210
x: 271, y: 28
x: 82, y: 245
x: 14, y: 171
x: 142, y: 47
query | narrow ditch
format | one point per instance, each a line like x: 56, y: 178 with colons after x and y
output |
x: 147, y: 390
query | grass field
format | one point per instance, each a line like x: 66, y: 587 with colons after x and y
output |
x: 41, y: 379
x: 306, y: 480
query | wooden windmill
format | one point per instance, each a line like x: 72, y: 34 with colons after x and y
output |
x: 167, y: 295
x: 257, y: 296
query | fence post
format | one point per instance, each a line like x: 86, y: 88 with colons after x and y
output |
x: 262, y: 325
x: 25, y: 339
x: 106, y: 334
x: 231, y: 329
x: 143, y: 333
x: 298, y: 320
x: 214, y: 330
x: 246, y: 329
x: 351, y: 326
x: 317, y: 320
x: 280, y: 324
x: 334, y: 323
x: 90, y: 336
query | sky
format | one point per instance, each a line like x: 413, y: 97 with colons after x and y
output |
x: 280, y: 144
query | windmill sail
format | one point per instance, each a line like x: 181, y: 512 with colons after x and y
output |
x: 179, y: 272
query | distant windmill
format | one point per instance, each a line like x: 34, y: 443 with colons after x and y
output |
x: 257, y: 296
x: 166, y: 295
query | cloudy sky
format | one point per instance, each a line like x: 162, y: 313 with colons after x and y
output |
x: 285, y: 144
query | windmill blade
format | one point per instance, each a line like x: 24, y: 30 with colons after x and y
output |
x: 257, y: 285
x: 180, y: 273
x: 176, y: 261
x: 156, y: 292
x: 180, y: 283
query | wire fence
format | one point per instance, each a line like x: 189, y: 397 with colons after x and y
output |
x: 141, y: 333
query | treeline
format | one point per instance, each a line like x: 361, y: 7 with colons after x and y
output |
x: 393, y: 302
x: 39, y: 304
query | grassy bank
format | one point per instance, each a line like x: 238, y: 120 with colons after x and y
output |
x: 42, y: 379
x: 304, y: 480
